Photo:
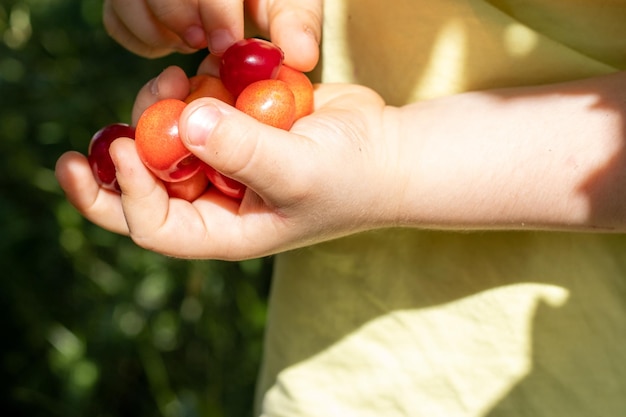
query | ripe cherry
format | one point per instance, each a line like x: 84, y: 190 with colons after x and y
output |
x: 226, y: 185
x: 98, y: 153
x: 247, y: 61
x: 302, y: 89
x: 204, y: 85
x: 269, y: 101
x: 189, y: 189
x: 159, y: 145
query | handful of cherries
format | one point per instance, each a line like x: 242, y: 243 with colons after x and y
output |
x: 252, y: 78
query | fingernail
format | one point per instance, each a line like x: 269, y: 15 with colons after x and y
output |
x: 200, y: 124
x: 195, y: 37
x: 154, y: 86
x: 220, y: 40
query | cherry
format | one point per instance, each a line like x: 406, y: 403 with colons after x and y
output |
x: 228, y: 186
x: 271, y: 102
x: 159, y: 145
x: 204, y: 85
x: 98, y: 153
x: 302, y: 89
x: 252, y: 78
x: 189, y: 189
x: 247, y: 61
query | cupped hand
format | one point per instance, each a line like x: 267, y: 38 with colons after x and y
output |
x: 331, y: 175
x: 155, y: 28
x: 101, y: 206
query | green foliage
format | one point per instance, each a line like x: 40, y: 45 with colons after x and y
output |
x: 94, y: 325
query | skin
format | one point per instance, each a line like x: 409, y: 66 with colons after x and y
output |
x: 357, y: 164
x: 154, y: 28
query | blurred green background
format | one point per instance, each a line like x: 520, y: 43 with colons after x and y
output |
x: 91, y: 324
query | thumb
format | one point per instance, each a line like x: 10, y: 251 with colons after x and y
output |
x: 270, y: 161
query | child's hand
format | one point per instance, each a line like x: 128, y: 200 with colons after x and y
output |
x: 474, y: 160
x: 157, y: 27
x: 331, y: 175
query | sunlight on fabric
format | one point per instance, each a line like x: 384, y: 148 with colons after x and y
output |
x: 448, y: 56
x: 518, y: 40
x: 438, y: 355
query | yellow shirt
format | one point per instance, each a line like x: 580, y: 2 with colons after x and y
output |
x: 410, y: 322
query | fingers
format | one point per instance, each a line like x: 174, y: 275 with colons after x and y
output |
x: 182, y: 18
x: 242, y: 148
x: 155, y: 28
x: 223, y: 23
x: 100, y: 206
x: 133, y: 25
x: 213, y: 226
x: 295, y: 26
x: 210, y: 65
x: 144, y: 198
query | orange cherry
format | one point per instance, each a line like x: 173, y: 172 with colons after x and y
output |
x: 159, y: 145
x: 204, y: 85
x: 302, y: 89
x: 269, y: 101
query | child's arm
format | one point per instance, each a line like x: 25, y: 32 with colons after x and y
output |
x: 548, y: 157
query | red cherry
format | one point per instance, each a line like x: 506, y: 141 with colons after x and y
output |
x: 226, y: 185
x: 189, y: 189
x: 269, y: 101
x: 159, y: 145
x: 247, y: 61
x: 98, y: 153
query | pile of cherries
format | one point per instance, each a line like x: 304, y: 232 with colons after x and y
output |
x: 252, y: 78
